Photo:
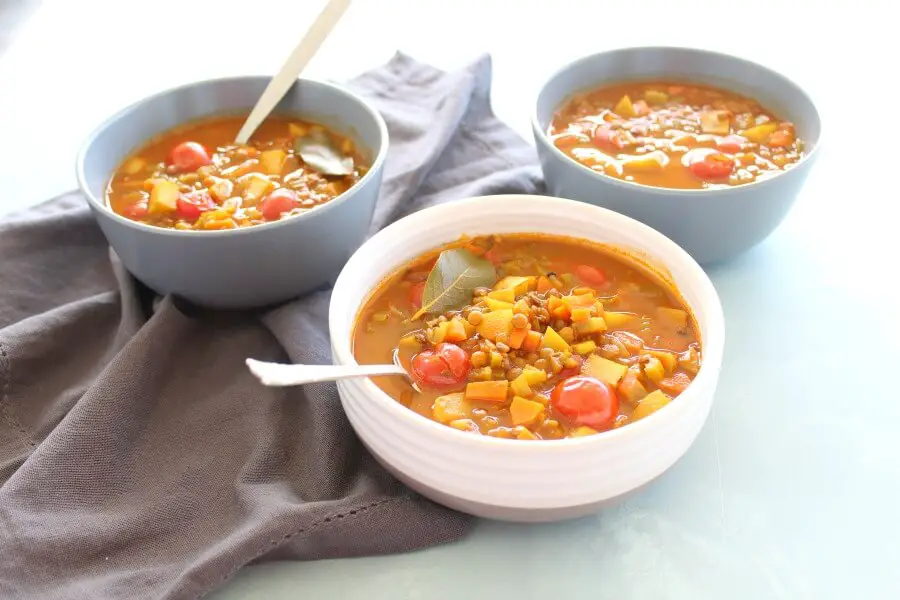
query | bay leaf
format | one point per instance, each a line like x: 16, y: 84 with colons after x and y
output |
x: 453, y: 279
x: 317, y: 151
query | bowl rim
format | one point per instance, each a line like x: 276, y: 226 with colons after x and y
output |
x: 544, y: 139
x: 713, y: 348
x: 124, y: 112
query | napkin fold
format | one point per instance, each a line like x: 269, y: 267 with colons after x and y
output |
x: 138, y: 457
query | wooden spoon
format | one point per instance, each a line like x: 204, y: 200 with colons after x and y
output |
x: 296, y: 62
x: 280, y: 375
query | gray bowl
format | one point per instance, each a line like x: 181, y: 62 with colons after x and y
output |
x: 712, y: 225
x: 252, y: 266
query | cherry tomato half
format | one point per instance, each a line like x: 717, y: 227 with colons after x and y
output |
x: 591, y: 276
x: 587, y: 401
x: 189, y: 156
x: 415, y: 294
x: 712, y: 166
x: 278, y: 202
x: 192, y: 204
x: 444, y: 366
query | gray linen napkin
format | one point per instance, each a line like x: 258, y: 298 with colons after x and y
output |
x: 139, y: 459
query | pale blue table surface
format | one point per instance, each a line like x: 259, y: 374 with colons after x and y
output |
x: 792, y: 490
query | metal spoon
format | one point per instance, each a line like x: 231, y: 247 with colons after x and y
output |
x: 296, y: 62
x: 280, y: 375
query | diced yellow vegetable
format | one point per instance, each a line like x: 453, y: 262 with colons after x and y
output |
x: 470, y: 329
x: 487, y: 391
x: 526, y: 434
x: 163, y: 196
x: 579, y: 300
x: 618, y: 319
x: 585, y: 347
x: 603, y: 369
x: 450, y: 407
x: 496, y: 360
x: 689, y: 360
x: 592, y: 325
x: 521, y: 307
x: 482, y: 374
x: 220, y: 189
x: 524, y: 411
x: 669, y: 360
x: 494, y: 304
x: 297, y: 130
x: 464, y: 425
x: 581, y: 314
x: 272, y: 161
x: 520, y: 387
x: 582, y: 431
x: 504, y: 295
x: 631, y: 389
x: 646, y: 163
x: 760, y: 134
x: 651, y: 403
x: 440, y: 332
x: 656, y: 97
x: 534, y: 376
x: 456, y: 331
x: 494, y: 323
x: 255, y: 187
x: 716, y: 122
x: 654, y: 369
x: 624, y: 108
x: 134, y: 165
x: 568, y: 334
x: 554, y: 341
x: 519, y: 285
x: 672, y: 316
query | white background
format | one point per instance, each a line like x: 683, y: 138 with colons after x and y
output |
x: 793, y: 489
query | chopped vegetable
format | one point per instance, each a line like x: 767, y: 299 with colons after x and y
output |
x: 519, y: 285
x: 630, y: 387
x: 495, y: 305
x: 505, y: 295
x: 487, y: 391
x: 654, y: 369
x: 592, y: 325
x: 760, y: 133
x: 272, y: 161
x: 672, y: 316
x: 494, y: 323
x: 624, y: 108
x: 651, y: 403
x: 521, y: 387
x: 614, y: 320
x: 656, y: 97
x: 450, y: 407
x: 717, y: 122
x: 603, y: 369
x: 554, y: 341
x: 582, y: 431
x: 163, y: 196
x: 523, y: 411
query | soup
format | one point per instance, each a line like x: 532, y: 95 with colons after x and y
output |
x: 196, y: 178
x: 529, y: 337
x: 674, y: 135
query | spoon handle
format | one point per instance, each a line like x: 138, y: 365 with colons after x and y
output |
x: 299, y: 58
x: 279, y: 375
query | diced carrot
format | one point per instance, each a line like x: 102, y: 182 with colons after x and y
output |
x: 487, y: 391
x: 517, y: 338
x: 543, y: 284
x: 532, y: 341
x: 781, y: 139
x: 456, y: 331
x: 558, y: 309
x: 675, y: 384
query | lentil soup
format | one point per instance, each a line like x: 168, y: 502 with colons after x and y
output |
x: 529, y: 336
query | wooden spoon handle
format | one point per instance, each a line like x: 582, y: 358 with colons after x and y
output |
x: 279, y: 375
x: 296, y: 62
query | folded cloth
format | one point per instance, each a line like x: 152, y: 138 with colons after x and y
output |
x: 138, y: 457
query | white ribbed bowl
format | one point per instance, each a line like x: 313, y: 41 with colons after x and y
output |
x: 512, y: 479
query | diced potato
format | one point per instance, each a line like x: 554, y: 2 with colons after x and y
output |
x: 494, y: 323
x: 456, y: 331
x: 656, y: 97
x: 487, y: 391
x: 568, y: 334
x: 672, y: 316
x: 624, y: 108
x: 519, y: 285
x: 603, y: 369
x: 630, y: 388
x: 220, y: 189
x: 255, y: 187
x: 503, y: 295
x: 496, y: 360
x: 494, y: 304
x: 669, y: 361
x: 464, y: 425
x: 652, y: 161
x: 450, y: 407
x: 163, y: 196
x: 592, y: 325
x: 581, y: 314
x: 297, y: 130
x: 517, y: 337
x: 760, y: 133
x: 579, y: 300
x: 526, y: 434
x: 654, y: 369
x: 532, y: 341
x: 651, y: 403
x: 585, y: 347
x: 134, y: 165
x: 521, y: 307
x: 582, y: 431
x: 617, y: 319
x: 716, y: 122
x: 440, y: 332
x: 482, y: 374
x: 271, y: 161
x: 553, y: 341
x: 523, y: 411
x: 534, y: 376
x: 520, y: 387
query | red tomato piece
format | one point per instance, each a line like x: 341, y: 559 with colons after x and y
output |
x: 189, y: 156
x: 415, y: 294
x: 712, y: 166
x: 278, y: 202
x: 444, y: 366
x: 192, y: 204
x: 732, y: 143
x: 604, y: 136
x: 587, y: 401
x: 591, y: 276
